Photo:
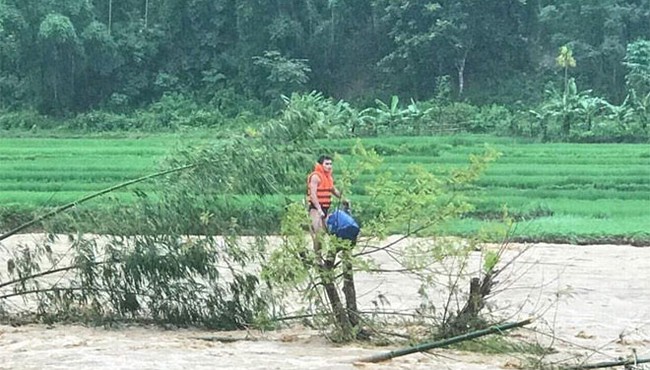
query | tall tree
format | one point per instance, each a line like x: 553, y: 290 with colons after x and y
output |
x: 12, y: 72
x: 598, y: 32
x: 102, y: 60
x: 60, y: 57
x: 454, y: 38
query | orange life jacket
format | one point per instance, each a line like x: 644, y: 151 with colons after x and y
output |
x: 325, y: 187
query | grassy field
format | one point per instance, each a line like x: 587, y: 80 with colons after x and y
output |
x: 45, y: 172
x: 557, y: 192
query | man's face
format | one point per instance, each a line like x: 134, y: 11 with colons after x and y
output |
x: 327, y: 165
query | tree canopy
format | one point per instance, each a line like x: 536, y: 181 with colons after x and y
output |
x: 68, y: 56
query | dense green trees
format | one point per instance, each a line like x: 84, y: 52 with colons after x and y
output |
x: 68, y: 56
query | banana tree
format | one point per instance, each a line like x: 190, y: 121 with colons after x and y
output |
x: 622, y: 115
x: 641, y: 106
x: 561, y: 107
x: 637, y: 61
x: 383, y: 115
x: 588, y: 108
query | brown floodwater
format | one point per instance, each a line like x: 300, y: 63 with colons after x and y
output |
x: 592, y: 299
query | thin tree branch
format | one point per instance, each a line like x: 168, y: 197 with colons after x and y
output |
x: 48, y: 272
x: 89, y: 197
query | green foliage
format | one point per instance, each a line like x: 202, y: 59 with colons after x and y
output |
x: 595, y: 34
x: 285, y: 75
x: 442, y: 39
x: 311, y: 116
x: 497, y: 119
x: 288, y: 267
x: 214, y: 56
x: 164, y: 278
x: 561, y: 111
x: 58, y: 29
x: 100, y: 48
x: 129, y: 54
x: 565, y: 58
x: 443, y: 92
x: 175, y: 110
x: 496, y: 344
x: 383, y: 116
x: 641, y: 107
x: 490, y: 261
x: 418, y: 200
x: 25, y: 120
x: 637, y: 62
x: 102, y: 121
x: 419, y: 118
x: 60, y: 49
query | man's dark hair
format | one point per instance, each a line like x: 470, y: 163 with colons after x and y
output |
x: 324, y: 158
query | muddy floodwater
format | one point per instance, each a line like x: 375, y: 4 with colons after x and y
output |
x: 594, y: 300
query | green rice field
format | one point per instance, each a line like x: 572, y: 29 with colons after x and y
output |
x: 556, y: 191
x: 47, y: 172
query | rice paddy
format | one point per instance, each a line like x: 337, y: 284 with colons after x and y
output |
x: 557, y: 191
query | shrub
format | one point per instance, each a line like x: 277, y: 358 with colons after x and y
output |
x: 100, y: 121
x: 26, y: 120
x: 494, y: 118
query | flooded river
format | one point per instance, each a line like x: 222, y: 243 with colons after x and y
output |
x: 593, y: 299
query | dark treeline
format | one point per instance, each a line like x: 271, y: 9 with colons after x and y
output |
x: 67, y: 56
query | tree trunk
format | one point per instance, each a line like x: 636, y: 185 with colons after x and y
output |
x: 544, y: 126
x: 468, y: 316
x: 110, y: 15
x: 350, y: 291
x: 339, y: 312
x: 146, y: 13
x: 346, y: 317
x: 460, y: 65
x: 566, y: 126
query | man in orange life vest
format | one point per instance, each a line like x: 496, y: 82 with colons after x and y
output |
x: 320, y: 188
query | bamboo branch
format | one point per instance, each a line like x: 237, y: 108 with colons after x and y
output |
x: 43, y: 290
x: 225, y: 339
x: 601, y: 365
x: 48, y: 272
x: 89, y: 197
x: 445, y: 342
